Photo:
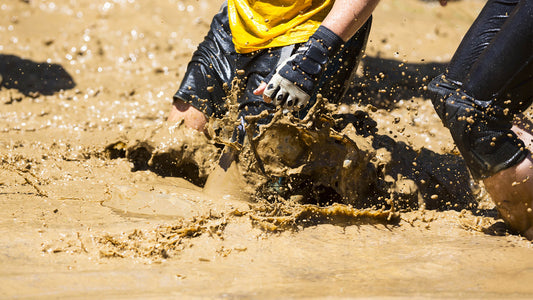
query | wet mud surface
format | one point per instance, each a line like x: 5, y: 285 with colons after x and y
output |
x: 101, y: 197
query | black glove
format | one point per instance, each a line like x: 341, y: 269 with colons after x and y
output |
x: 296, y: 78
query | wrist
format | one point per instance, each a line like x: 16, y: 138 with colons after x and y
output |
x: 329, y: 39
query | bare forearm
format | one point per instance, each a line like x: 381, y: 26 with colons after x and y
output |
x: 347, y: 16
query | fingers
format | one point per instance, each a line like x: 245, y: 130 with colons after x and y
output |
x: 282, y: 92
x: 260, y: 89
x: 281, y: 97
x: 291, y: 102
x: 271, y: 92
x: 285, y: 99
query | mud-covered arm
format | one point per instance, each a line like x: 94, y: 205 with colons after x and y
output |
x: 296, y: 78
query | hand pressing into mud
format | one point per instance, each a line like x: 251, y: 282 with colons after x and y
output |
x: 295, y: 79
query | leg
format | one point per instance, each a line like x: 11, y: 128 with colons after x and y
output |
x: 191, y: 116
x: 201, y: 92
x: 512, y: 191
x: 479, y: 121
x: 508, y: 53
x: 479, y: 115
x: 478, y: 37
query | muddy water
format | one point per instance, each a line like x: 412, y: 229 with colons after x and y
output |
x: 100, y: 197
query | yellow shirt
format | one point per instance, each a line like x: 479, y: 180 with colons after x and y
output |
x: 259, y: 24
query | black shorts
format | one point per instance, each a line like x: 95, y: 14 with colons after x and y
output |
x: 215, y: 64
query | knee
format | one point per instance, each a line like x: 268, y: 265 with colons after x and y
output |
x: 191, y: 116
x: 480, y: 130
x: 512, y: 192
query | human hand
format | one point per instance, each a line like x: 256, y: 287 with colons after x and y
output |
x: 296, y: 78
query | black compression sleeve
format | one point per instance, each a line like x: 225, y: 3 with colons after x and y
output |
x: 485, y: 27
x: 508, y: 54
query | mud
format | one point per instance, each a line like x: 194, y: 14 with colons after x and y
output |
x: 102, y: 198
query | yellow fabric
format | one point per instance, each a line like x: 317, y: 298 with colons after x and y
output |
x: 259, y: 24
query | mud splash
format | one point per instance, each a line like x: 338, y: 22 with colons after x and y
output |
x: 88, y: 127
x: 309, y: 154
x: 168, y: 150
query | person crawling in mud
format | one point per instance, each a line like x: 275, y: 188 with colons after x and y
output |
x: 488, y: 82
x: 315, y: 47
x: 305, y: 48
x: 280, y: 55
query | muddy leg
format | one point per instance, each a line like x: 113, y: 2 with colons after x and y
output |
x: 512, y: 190
x: 191, y: 116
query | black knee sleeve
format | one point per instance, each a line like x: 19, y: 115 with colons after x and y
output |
x: 481, y: 131
x: 442, y: 87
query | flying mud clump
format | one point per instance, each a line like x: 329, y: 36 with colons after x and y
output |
x: 323, y: 158
x: 309, y: 159
x: 168, y: 150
